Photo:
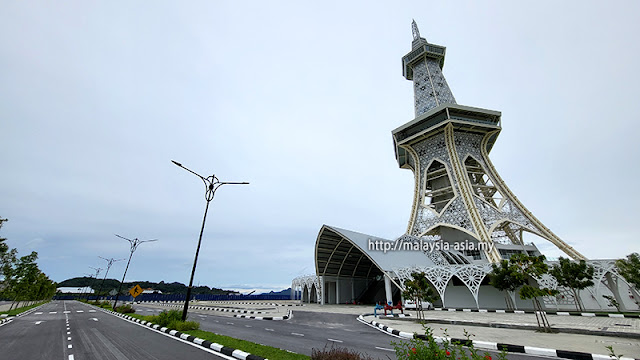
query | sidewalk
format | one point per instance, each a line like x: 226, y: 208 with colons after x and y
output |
x: 613, y: 326
x: 561, y: 341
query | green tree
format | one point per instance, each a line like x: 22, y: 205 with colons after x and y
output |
x: 25, y: 276
x: 516, y: 273
x: 629, y: 268
x: 8, y: 259
x: 20, y: 279
x: 507, y: 277
x: 418, y: 289
x: 534, y: 267
x: 574, y: 275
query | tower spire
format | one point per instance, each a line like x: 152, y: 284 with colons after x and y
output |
x: 423, y: 64
x: 414, y: 30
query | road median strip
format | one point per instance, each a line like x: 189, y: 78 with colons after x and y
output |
x: 236, y: 353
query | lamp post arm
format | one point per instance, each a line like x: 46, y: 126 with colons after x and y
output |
x: 189, y: 170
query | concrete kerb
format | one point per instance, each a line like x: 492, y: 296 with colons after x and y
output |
x: 238, y: 354
x: 548, y: 312
x: 285, y: 317
x: 10, y: 318
x: 197, y: 307
x: 223, y: 302
x: 488, y: 345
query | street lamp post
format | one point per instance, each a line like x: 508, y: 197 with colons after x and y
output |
x: 94, y: 281
x: 211, y: 184
x: 134, y: 245
x: 85, y: 288
x: 109, y: 263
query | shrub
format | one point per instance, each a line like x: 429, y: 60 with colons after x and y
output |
x: 125, y: 309
x: 337, y: 354
x: 167, y: 317
x: 430, y: 349
x: 184, y: 325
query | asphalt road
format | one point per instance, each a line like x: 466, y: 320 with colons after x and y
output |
x: 305, y: 331
x: 70, y: 330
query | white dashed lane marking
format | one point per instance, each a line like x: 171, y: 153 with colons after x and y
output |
x: 338, y: 341
x: 268, y: 329
x: 297, y: 334
x: 381, y: 348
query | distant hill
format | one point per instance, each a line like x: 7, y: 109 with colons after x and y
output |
x: 166, y: 288
x: 282, y: 292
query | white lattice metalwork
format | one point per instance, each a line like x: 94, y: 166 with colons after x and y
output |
x: 430, y: 88
x: 455, y: 212
x: 471, y: 275
x: 308, y: 282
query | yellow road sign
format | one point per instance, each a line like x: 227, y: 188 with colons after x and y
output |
x: 135, y: 291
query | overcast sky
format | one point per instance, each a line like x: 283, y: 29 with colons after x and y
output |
x: 299, y: 99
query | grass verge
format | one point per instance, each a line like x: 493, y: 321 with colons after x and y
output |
x: 17, y: 311
x: 265, y: 351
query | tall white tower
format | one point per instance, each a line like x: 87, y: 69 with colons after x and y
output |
x: 458, y: 194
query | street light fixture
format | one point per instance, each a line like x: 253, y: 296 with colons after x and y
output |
x: 211, y: 184
x: 109, y: 263
x: 134, y: 245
